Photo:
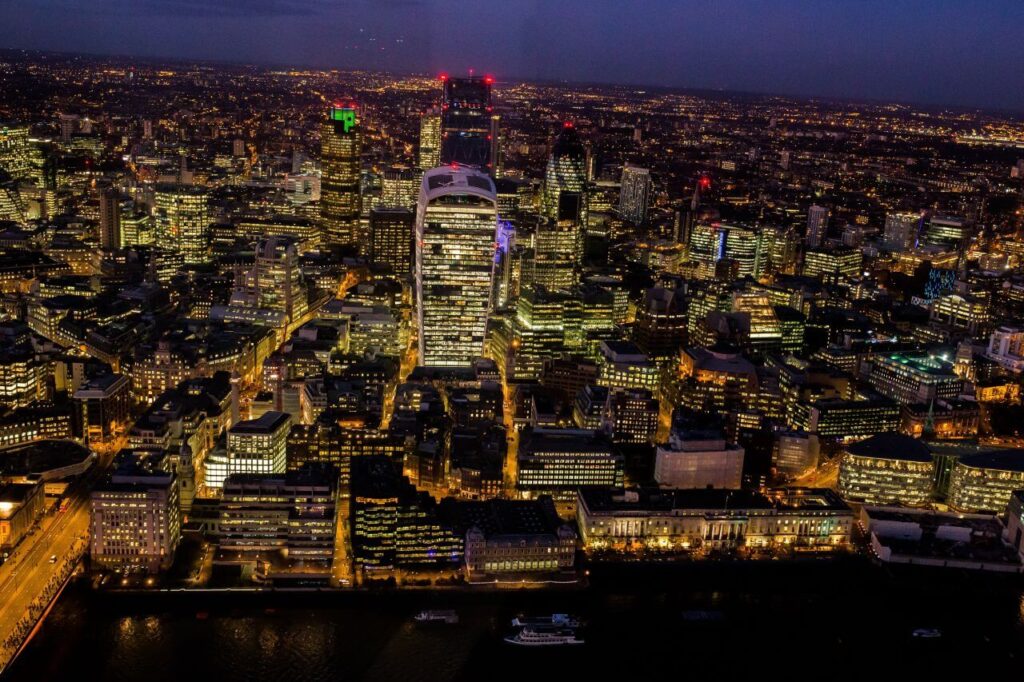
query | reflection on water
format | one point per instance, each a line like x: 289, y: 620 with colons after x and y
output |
x: 774, y: 624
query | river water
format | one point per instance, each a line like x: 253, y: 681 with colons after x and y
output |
x: 775, y: 620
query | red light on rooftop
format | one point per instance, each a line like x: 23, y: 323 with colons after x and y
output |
x: 568, y: 124
x: 443, y: 77
x: 705, y: 182
x: 489, y: 80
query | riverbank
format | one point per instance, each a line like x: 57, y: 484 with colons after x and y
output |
x: 773, y: 619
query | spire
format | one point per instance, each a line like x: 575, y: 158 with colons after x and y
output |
x: 928, y: 432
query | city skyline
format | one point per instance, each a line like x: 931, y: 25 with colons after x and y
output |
x: 935, y: 53
x: 291, y: 358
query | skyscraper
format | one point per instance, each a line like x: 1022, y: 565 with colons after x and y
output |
x: 183, y: 221
x: 430, y: 140
x: 15, y: 157
x: 635, y: 195
x: 456, y: 228
x: 391, y: 237
x: 110, y: 218
x: 566, y: 171
x: 817, y: 224
x: 340, y: 199
x: 558, y: 244
x: 467, y: 134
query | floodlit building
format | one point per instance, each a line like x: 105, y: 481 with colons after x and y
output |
x: 456, y: 228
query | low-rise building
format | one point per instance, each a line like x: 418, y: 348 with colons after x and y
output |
x: 135, y: 519
x: 690, y: 520
x: 509, y: 537
x: 986, y: 481
x: 698, y: 459
x: 888, y: 468
x: 281, y: 525
x: 21, y: 504
x: 942, y: 539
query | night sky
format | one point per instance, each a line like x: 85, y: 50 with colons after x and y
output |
x: 958, y: 52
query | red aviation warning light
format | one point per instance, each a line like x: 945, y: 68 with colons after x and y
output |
x: 705, y: 182
x: 442, y: 77
x: 568, y: 124
x: 489, y: 80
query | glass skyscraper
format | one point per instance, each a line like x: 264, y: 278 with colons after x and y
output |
x: 183, y: 221
x: 456, y: 227
x: 467, y: 130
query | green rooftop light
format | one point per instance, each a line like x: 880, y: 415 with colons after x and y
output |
x: 347, y: 117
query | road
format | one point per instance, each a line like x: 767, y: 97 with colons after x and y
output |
x: 27, y: 574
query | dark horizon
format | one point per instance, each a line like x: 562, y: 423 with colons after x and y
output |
x: 508, y: 78
x: 938, y: 53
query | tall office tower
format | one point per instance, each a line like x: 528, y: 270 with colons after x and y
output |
x: 136, y: 229
x: 711, y: 244
x: 817, y: 225
x: 15, y: 155
x: 399, y: 188
x: 391, y: 238
x: 566, y: 171
x: 183, y: 221
x: 340, y: 200
x: 110, y: 218
x: 901, y: 230
x: 467, y: 137
x: 496, y: 151
x: 558, y: 245
x: 430, y: 140
x: 456, y: 230
x: 68, y: 126
x: 635, y: 194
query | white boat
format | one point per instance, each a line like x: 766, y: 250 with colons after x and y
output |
x: 558, y: 619
x: 446, y: 616
x: 927, y: 633
x: 544, y: 636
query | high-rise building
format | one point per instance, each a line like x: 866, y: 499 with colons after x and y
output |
x: 110, y: 218
x: 467, y: 135
x: 391, y: 238
x: 558, y: 244
x: 429, y: 155
x: 15, y: 157
x: 566, y: 172
x: 183, y: 221
x: 635, y: 194
x: 256, y: 446
x: 399, y: 188
x: 456, y: 227
x: 273, y: 292
x: 817, y: 224
x: 712, y: 243
x: 340, y: 198
x: 901, y: 231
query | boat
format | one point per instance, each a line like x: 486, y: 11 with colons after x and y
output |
x: 927, y: 633
x: 446, y: 616
x: 544, y: 636
x: 559, y: 619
